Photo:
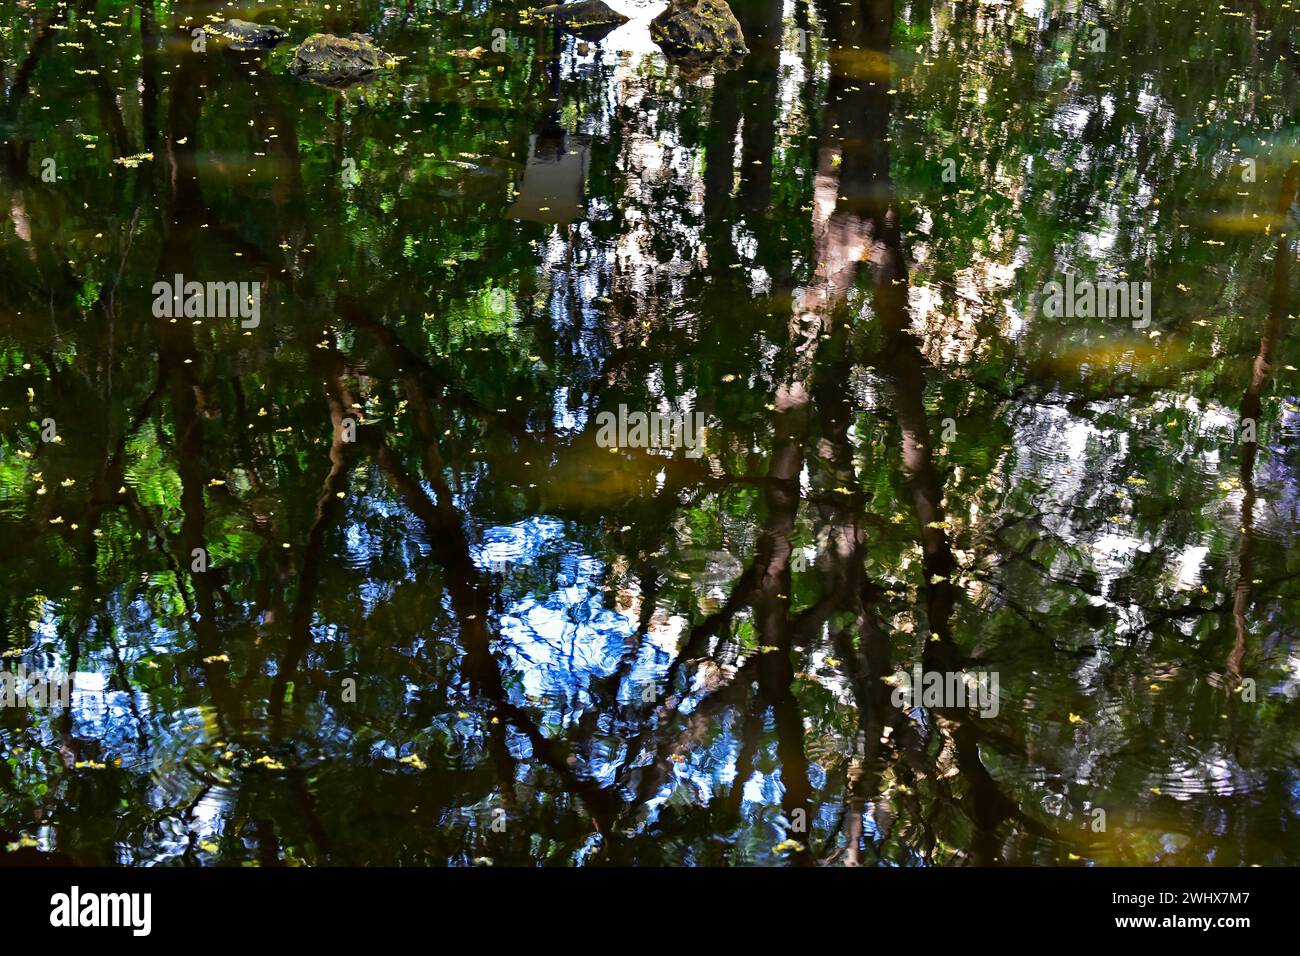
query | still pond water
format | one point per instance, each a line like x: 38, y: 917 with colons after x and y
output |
x: 365, y: 579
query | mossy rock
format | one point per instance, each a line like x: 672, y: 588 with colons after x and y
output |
x: 590, y: 18
x: 698, y: 34
x: 334, y: 60
x: 243, y: 35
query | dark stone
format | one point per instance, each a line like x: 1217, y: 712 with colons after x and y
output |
x: 243, y: 35
x: 699, y: 34
x: 337, y: 61
x: 590, y: 18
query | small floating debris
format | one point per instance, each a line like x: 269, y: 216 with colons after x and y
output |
x: 131, y: 162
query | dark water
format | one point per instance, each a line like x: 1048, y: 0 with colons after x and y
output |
x: 474, y: 633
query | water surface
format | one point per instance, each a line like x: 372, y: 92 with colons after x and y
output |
x: 474, y: 635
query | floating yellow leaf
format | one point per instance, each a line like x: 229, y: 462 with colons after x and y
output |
x: 131, y: 162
